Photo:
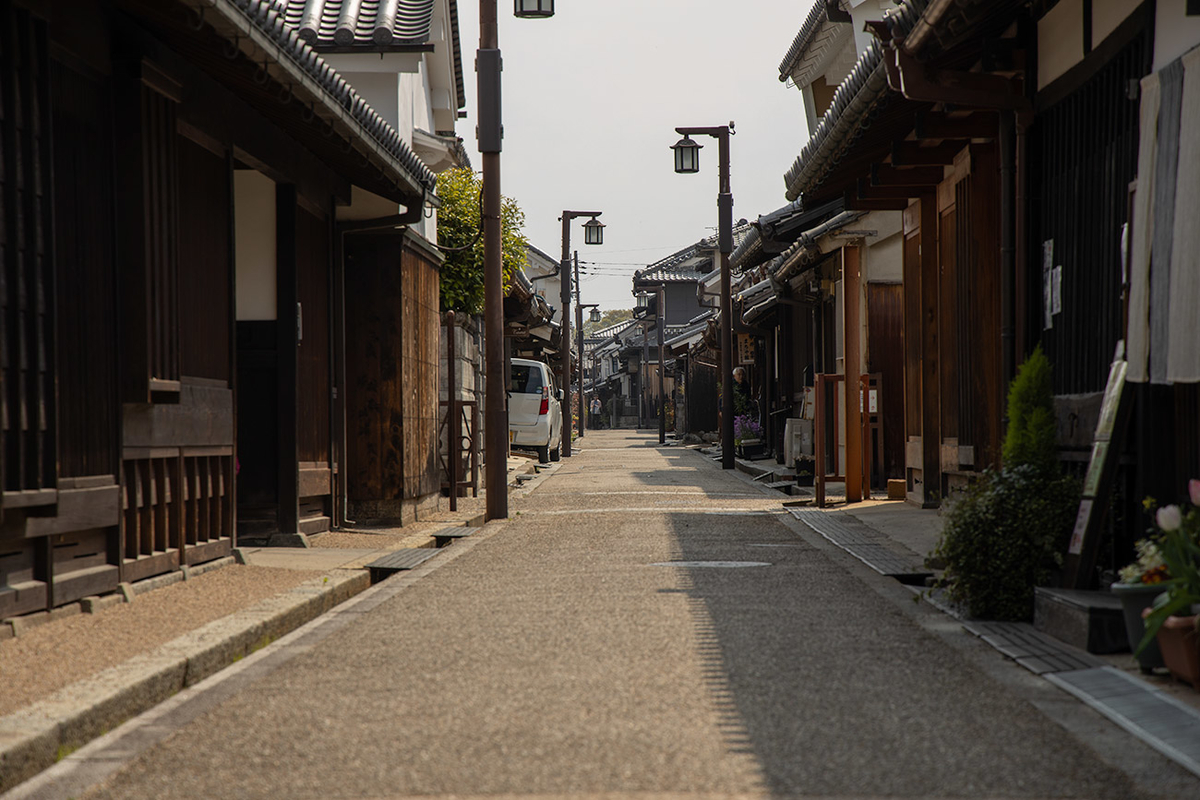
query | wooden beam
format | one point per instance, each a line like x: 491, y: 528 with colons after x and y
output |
x: 888, y: 175
x: 931, y: 410
x: 855, y: 203
x: 867, y: 192
x: 970, y: 89
x: 851, y: 319
x: 938, y: 125
x: 912, y: 154
x: 287, y: 292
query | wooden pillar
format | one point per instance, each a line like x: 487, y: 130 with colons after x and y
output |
x: 931, y: 430
x: 287, y: 331
x: 852, y: 368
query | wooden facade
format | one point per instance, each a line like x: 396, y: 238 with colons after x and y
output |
x: 149, y: 399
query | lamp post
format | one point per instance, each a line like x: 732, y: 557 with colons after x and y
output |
x: 593, y: 231
x: 594, y: 317
x: 661, y: 324
x: 487, y: 66
x: 687, y: 160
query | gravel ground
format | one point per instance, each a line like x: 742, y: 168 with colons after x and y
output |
x: 61, y: 652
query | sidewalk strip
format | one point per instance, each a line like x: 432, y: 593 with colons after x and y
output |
x: 1164, y: 723
x: 864, y: 543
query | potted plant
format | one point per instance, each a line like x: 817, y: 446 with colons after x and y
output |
x: 747, y: 435
x: 1140, y: 583
x: 1172, y: 619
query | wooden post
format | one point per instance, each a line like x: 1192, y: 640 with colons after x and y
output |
x: 288, y: 340
x: 819, y: 466
x: 852, y: 362
x: 931, y: 429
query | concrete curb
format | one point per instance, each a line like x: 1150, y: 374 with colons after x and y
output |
x: 40, y: 734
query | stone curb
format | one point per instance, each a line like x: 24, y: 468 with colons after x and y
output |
x: 35, y: 737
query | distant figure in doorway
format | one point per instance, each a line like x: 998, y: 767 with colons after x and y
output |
x: 595, y: 409
x: 742, y: 402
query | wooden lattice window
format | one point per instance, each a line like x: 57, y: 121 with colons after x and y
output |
x: 26, y: 255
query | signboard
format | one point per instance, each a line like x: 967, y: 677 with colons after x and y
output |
x: 745, y: 349
x: 1102, y: 467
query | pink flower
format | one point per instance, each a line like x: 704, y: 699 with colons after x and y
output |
x: 1194, y: 491
x: 1169, y: 518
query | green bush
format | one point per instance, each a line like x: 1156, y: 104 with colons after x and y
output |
x: 1006, y: 533
x: 1003, y: 536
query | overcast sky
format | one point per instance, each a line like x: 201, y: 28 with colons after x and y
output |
x: 592, y: 97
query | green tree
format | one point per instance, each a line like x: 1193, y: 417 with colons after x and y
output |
x: 610, y: 317
x: 459, y: 232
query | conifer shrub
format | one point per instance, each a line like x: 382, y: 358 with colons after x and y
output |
x: 1008, y: 531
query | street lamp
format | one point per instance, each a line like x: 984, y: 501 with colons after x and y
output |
x: 687, y: 160
x: 594, y: 317
x: 565, y: 349
x: 490, y: 133
x: 533, y: 9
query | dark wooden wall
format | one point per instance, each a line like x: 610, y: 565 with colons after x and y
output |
x: 313, y: 261
x: 885, y: 351
x: 204, y: 274
x: 391, y: 296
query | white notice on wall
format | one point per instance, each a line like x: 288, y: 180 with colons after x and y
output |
x: 1047, y: 281
x: 1056, y: 300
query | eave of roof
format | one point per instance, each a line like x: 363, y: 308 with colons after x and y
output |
x: 817, y: 15
x: 255, y: 33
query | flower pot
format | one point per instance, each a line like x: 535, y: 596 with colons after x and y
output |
x: 1180, y: 645
x: 1136, y: 598
x: 751, y: 448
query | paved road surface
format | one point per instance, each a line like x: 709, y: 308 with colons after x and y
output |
x: 563, y: 653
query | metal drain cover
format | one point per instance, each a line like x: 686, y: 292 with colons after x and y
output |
x: 712, y: 564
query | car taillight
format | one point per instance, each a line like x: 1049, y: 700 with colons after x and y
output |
x: 545, y: 407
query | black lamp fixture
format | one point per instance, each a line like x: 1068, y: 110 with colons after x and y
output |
x: 594, y: 315
x: 593, y: 231
x: 687, y: 155
x: 533, y: 9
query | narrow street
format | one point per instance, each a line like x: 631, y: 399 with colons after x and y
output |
x: 567, y: 652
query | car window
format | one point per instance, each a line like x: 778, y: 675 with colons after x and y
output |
x: 526, y: 379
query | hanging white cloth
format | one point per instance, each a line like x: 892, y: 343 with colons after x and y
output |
x: 1138, y: 333
x: 1183, y: 355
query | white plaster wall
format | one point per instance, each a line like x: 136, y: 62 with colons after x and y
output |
x: 254, y: 234
x: 1060, y: 41
x: 1175, y: 33
x: 1107, y: 15
x: 885, y: 262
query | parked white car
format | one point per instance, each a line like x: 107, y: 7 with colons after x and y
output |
x: 534, y: 409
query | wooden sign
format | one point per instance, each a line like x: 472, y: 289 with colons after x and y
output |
x: 745, y: 349
x: 1097, y: 485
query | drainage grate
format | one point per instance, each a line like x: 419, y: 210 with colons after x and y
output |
x: 1032, y: 649
x: 712, y: 564
x: 1164, y: 723
x: 398, y: 561
x: 864, y: 543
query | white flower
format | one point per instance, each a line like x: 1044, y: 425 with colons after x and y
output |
x: 1169, y: 518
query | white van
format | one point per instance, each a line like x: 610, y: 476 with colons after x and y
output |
x: 534, y: 410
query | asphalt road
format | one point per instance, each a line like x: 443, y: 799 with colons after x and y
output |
x: 568, y: 652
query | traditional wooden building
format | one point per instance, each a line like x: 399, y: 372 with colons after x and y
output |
x: 177, y: 179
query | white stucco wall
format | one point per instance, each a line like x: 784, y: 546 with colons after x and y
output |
x: 254, y: 234
x: 1175, y: 33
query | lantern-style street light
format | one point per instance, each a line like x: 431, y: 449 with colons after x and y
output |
x: 533, y: 9
x: 687, y: 155
x: 564, y: 372
x: 490, y: 133
x: 687, y: 160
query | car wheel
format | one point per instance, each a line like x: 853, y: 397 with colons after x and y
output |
x: 543, y: 452
x: 555, y: 454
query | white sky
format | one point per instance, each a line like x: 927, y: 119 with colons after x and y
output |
x: 592, y: 97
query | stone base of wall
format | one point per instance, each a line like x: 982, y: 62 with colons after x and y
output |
x: 393, y: 512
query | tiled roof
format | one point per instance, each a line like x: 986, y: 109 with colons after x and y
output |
x: 366, y: 24
x: 679, y: 267
x: 371, y: 26
x: 334, y: 98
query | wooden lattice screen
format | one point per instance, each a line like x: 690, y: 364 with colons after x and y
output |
x: 26, y: 258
